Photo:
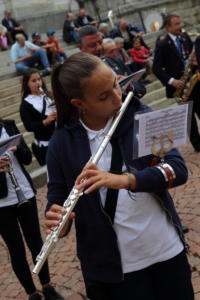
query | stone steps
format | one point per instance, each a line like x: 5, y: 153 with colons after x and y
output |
x: 154, y: 95
x: 10, y: 99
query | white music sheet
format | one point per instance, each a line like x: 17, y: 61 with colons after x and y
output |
x: 169, y: 120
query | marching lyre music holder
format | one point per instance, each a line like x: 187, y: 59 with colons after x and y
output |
x: 165, y: 141
x: 160, y: 146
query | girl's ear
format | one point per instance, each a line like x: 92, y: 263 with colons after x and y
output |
x: 78, y: 103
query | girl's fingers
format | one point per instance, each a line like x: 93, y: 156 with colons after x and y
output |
x: 85, y: 175
x: 51, y: 223
x: 93, y: 187
x: 88, y: 179
x: 53, y: 216
x: 57, y: 209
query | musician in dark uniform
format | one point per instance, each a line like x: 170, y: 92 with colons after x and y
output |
x: 170, y: 58
x: 195, y: 97
x: 20, y: 224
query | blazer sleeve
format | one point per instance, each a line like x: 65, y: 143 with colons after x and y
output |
x: 158, y: 67
x: 57, y: 187
x: 151, y: 180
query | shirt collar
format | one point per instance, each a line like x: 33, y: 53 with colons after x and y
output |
x: 93, y: 134
x: 173, y: 37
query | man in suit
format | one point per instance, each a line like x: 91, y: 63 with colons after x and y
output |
x: 170, y: 58
x: 12, y: 26
x: 90, y: 41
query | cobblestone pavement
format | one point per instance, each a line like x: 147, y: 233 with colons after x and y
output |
x: 64, y: 265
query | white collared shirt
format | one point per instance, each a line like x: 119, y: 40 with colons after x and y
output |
x: 174, y: 37
x: 11, y: 198
x: 144, y: 234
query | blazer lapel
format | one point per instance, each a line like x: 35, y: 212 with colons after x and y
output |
x: 172, y: 46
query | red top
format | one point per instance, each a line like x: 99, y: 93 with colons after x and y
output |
x: 140, y: 55
x: 55, y: 42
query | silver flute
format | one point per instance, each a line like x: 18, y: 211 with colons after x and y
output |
x: 75, y: 194
x: 49, y: 102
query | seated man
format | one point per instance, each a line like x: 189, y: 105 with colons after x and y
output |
x: 25, y: 54
x: 13, y: 27
x: 128, y: 32
x: 104, y: 29
x: 70, y: 29
x: 109, y: 51
x: 83, y: 19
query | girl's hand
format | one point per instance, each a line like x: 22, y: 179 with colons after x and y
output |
x: 54, y: 217
x: 13, y: 149
x: 52, y: 117
x: 4, y: 163
x: 95, y: 178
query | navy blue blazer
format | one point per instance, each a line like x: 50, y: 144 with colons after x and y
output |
x: 97, y: 245
x: 168, y: 63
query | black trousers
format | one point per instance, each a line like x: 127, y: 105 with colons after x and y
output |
x: 169, y: 280
x: 25, y: 217
x: 194, y: 132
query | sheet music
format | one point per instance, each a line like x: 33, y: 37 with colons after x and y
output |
x: 10, y: 142
x: 169, y: 120
x: 133, y: 77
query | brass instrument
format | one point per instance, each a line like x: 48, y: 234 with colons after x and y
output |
x: 182, y: 95
x: 75, y: 194
x: 20, y: 195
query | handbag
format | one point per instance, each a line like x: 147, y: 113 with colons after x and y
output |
x: 40, y: 151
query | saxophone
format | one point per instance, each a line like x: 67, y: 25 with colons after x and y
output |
x: 190, y: 78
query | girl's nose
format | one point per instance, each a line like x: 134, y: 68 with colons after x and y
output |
x: 116, y: 97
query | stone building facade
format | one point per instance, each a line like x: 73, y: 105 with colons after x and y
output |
x: 39, y: 15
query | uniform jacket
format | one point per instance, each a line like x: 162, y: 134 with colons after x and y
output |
x: 23, y: 155
x: 168, y: 63
x: 97, y: 244
x: 32, y: 120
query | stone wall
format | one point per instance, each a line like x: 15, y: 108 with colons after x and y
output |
x: 40, y: 15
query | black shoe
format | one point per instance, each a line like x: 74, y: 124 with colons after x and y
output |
x: 35, y: 296
x: 185, y: 229
x: 51, y: 294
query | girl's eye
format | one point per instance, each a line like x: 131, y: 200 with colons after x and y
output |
x: 103, y: 98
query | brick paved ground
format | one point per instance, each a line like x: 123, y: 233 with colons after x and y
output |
x: 64, y: 266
